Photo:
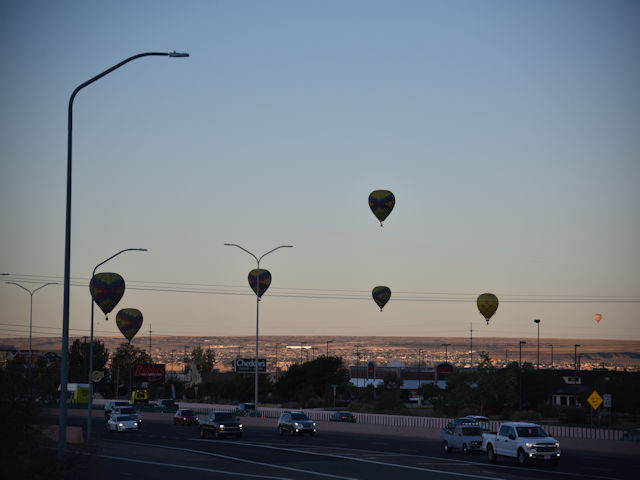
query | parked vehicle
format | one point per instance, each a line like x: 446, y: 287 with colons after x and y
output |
x: 220, y: 424
x: 129, y: 411
x: 480, y: 421
x: 122, y: 423
x: 246, y: 410
x: 524, y: 441
x: 343, y: 417
x: 296, y: 423
x: 632, y: 434
x: 466, y: 438
x: 108, y: 407
x: 185, y: 416
x: 167, y: 404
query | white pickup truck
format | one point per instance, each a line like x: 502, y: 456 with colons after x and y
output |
x: 524, y: 441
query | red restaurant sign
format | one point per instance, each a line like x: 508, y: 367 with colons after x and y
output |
x: 149, y: 373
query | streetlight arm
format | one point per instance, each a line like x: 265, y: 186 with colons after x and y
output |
x: 273, y: 250
x: 115, y: 255
x: 242, y: 248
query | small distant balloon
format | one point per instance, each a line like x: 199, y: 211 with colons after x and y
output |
x: 597, y: 317
x: 129, y: 321
x: 106, y: 289
x: 381, y: 296
x: 259, y: 280
x: 487, y: 304
x: 381, y: 203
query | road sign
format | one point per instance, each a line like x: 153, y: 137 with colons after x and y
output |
x: 607, y: 400
x: 595, y: 400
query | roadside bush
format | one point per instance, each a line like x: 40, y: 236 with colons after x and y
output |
x: 526, y: 416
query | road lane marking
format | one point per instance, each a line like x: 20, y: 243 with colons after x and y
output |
x: 244, y: 460
x: 173, y: 465
x: 361, y: 460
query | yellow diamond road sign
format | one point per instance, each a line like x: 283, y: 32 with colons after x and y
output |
x: 595, y: 400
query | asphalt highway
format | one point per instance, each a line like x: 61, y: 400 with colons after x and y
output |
x: 161, y: 450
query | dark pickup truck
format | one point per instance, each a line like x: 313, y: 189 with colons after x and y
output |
x: 220, y: 424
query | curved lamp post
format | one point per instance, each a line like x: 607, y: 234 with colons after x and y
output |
x: 255, y: 393
x: 90, y: 405
x: 31, y: 292
x: 64, y: 366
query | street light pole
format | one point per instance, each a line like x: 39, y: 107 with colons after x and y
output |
x: 328, y: 342
x: 551, y: 345
x: 64, y: 364
x: 445, y: 345
x: 537, y: 322
x: 255, y: 393
x: 522, y: 342
x: 90, y: 404
x: 575, y: 356
x: 30, y: 292
x: 277, y: 360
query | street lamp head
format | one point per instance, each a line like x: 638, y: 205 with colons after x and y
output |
x: 537, y: 320
x: 178, y: 54
x: 577, y: 345
x: 522, y: 342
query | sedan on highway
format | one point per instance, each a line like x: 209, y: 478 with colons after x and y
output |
x: 296, y: 423
x: 343, y: 417
x: 122, y: 423
x: 185, y: 416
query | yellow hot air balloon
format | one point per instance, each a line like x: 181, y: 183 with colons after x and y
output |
x: 487, y: 304
x: 597, y: 317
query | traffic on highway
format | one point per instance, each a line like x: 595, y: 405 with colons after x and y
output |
x: 164, y: 449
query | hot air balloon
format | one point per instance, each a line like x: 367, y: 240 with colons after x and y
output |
x: 129, y: 321
x: 265, y: 280
x: 597, y: 317
x: 106, y: 290
x: 381, y: 202
x: 381, y: 296
x: 487, y: 304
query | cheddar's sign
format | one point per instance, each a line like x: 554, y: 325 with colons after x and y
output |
x: 149, y: 373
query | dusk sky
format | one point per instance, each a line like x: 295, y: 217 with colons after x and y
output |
x: 509, y: 132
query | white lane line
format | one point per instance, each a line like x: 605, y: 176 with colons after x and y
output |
x: 355, y: 459
x: 244, y: 460
x: 184, y: 467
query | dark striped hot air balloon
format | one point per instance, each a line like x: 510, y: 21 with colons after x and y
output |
x: 381, y: 203
x: 129, y: 321
x: 259, y: 280
x: 106, y: 290
x: 381, y: 295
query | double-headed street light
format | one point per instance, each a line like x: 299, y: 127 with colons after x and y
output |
x: 255, y: 393
x: 30, y: 292
x: 90, y: 405
x: 64, y: 364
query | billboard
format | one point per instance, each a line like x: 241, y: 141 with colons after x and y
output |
x: 443, y: 370
x: 149, y: 373
x: 248, y: 365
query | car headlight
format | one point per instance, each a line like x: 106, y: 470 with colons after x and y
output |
x: 240, y: 426
x: 529, y: 445
x: 313, y: 424
x: 221, y: 427
x: 135, y: 424
x: 297, y: 425
x: 557, y: 444
x: 120, y: 425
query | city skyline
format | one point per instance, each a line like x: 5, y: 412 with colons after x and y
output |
x: 507, y: 134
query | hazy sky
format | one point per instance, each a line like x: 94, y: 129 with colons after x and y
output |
x: 509, y: 132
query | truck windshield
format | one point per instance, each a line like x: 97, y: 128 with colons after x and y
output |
x: 471, y: 431
x: 531, y: 432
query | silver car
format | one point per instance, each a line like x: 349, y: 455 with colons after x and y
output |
x: 122, y: 423
x: 129, y: 411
